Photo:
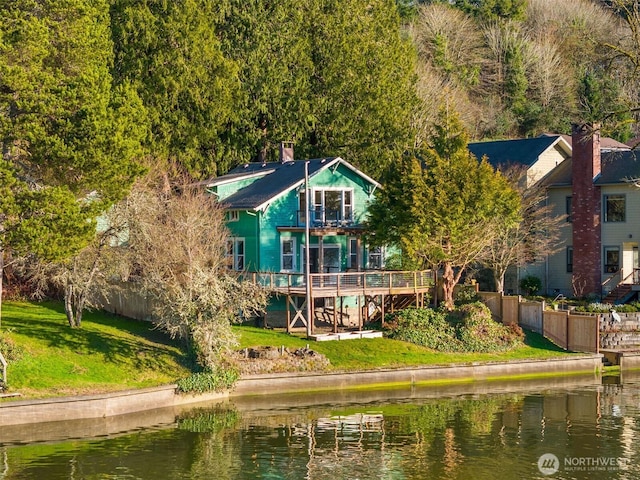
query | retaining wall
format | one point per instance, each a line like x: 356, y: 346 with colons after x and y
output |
x: 130, y: 401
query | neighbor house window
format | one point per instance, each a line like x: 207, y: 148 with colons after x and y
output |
x: 333, y: 206
x: 614, y: 208
x: 611, y: 259
x: 288, y: 248
x: 568, y: 209
x: 233, y: 216
x: 569, y: 259
x: 235, y: 253
x: 375, y: 257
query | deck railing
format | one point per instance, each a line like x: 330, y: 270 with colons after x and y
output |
x: 344, y: 282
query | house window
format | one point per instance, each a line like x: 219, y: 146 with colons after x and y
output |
x: 333, y: 206
x: 569, y: 259
x: 353, y: 254
x: 611, y: 259
x: 568, y: 209
x: 233, y: 216
x: 235, y: 253
x: 287, y: 249
x: 614, y: 208
x: 375, y: 258
x: 302, y: 207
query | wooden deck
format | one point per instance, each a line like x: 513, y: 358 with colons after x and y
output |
x: 369, y: 283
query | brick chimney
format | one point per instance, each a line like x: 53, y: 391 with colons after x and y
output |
x: 586, y: 209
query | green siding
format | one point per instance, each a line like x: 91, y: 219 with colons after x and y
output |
x: 260, y: 229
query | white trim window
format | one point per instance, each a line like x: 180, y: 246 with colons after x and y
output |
x: 375, y: 260
x: 233, y: 215
x: 611, y: 259
x: 235, y: 253
x: 614, y: 208
x: 333, y: 205
x: 353, y: 253
x: 288, y: 254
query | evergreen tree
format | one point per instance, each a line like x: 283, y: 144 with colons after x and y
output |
x: 494, y: 9
x: 69, y: 136
x: 337, y: 78
x: 171, y: 52
x: 441, y: 210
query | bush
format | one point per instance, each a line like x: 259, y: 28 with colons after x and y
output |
x: 478, y: 332
x: 470, y: 328
x: 9, y: 349
x: 597, y: 307
x: 530, y: 284
x: 466, y: 294
x: 423, y: 326
x: 208, y: 381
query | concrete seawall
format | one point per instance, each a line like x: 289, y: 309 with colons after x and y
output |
x: 298, y: 382
x: 132, y: 401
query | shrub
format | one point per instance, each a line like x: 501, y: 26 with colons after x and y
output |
x: 208, y: 381
x: 466, y: 294
x: 9, y: 349
x: 530, y: 284
x: 470, y: 328
x: 478, y: 332
x: 597, y: 307
x: 422, y: 326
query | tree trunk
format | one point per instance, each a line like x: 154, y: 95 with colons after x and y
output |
x: 68, y: 303
x: 499, y: 278
x: 448, y: 284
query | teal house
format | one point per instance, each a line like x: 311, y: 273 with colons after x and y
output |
x: 271, y: 208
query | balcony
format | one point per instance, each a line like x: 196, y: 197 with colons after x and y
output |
x: 323, y: 285
x: 324, y: 221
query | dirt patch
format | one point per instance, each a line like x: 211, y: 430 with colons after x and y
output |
x: 256, y: 360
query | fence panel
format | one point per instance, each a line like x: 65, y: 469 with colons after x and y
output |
x: 555, y: 327
x: 584, y: 333
x: 124, y: 301
x: 493, y: 301
x: 531, y: 316
x: 510, y: 310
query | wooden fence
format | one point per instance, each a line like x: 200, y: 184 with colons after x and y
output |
x: 577, y: 333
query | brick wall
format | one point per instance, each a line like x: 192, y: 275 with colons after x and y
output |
x: 586, y: 210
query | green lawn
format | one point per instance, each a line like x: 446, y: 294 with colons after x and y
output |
x: 113, y: 353
x: 383, y: 352
x: 108, y: 353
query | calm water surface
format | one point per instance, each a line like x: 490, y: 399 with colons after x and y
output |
x: 582, y: 428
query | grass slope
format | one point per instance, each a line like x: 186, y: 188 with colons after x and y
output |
x: 114, y: 353
x: 373, y: 353
x: 108, y: 353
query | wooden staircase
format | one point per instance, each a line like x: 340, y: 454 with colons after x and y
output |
x: 392, y: 303
x: 619, y: 294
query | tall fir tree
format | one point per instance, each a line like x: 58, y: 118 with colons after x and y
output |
x: 441, y: 208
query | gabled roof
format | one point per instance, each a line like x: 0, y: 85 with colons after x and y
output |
x: 606, y: 143
x: 617, y: 167
x: 524, y: 151
x: 274, y: 180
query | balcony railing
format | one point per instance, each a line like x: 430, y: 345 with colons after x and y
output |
x: 346, y: 283
x: 324, y: 217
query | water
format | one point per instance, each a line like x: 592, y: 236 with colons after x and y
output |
x: 584, y: 428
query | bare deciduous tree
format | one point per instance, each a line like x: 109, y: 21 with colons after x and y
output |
x: 177, y: 245
x: 536, y: 235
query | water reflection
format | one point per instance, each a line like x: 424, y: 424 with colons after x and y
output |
x: 454, y: 432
